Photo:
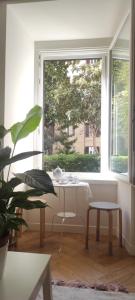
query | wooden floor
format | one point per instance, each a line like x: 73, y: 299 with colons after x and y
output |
x: 76, y: 263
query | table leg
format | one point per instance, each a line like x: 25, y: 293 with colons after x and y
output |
x: 110, y: 232
x: 87, y: 229
x: 42, y: 226
x: 120, y: 227
x: 47, y: 287
x: 64, y: 203
x: 98, y: 226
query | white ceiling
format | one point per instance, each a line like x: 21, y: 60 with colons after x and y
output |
x: 125, y: 32
x: 71, y: 19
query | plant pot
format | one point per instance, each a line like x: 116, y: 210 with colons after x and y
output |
x: 3, y: 253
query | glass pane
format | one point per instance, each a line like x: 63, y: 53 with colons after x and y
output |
x: 119, y: 145
x: 72, y: 114
x: 120, y: 101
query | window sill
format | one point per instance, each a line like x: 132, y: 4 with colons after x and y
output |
x: 121, y: 177
x: 95, y: 178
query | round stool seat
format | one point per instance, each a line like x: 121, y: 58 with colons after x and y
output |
x: 104, y: 205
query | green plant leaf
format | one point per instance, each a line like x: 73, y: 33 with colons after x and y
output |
x: 3, y: 206
x: 3, y: 227
x: 23, y: 196
x: 24, y: 155
x: 4, y: 157
x: 15, y: 222
x: 5, y: 192
x: 3, y: 131
x: 13, y: 182
x: 37, y: 179
x: 28, y: 193
x: 5, y: 153
x: 22, y: 129
x: 28, y: 204
x: 5, y: 162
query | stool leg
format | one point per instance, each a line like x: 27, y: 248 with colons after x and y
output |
x: 120, y: 227
x: 110, y: 232
x: 98, y: 226
x: 42, y: 226
x: 87, y: 229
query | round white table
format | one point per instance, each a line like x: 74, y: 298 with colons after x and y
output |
x: 65, y: 186
x: 65, y: 214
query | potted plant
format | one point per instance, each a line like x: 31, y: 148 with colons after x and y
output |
x: 38, y: 181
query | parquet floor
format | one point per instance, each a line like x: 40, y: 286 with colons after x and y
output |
x: 76, y: 263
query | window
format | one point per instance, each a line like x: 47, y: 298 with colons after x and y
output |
x: 71, y: 131
x: 120, y: 101
x: 119, y: 145
x: 72, y: 113
x: 86, y: 150
x: 87, y: 130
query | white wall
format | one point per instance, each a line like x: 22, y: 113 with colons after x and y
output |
x: 120, y: 192
x: 126, y: 197
x: 2, y: 58
x: 19, y: 81
x: 19, y: 99
x: 77, y: 201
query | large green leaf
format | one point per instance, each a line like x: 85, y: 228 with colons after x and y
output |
x: 24, y: 155
x: 4, y: 156
x: 5, y: 192
x: 7, y: 161
x: 38, y: 179
x: 5, y: 153
x: 19, y: 200
x: 6, y: 189
x: 15, y: 222
x: 3, y: 131
x: 22, y: 129
x: 28, y: 193
x: 28, y: 204
x: 13, y: 182
x: 2, y: 206
x: 3, y: 227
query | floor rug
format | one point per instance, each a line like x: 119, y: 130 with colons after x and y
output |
x: 111, y: 287
x: 72, y: 293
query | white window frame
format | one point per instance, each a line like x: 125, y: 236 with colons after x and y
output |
x: 63, y: 54
x: 118, y: 54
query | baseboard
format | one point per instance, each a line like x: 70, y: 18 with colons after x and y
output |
x: 70, y: 228
x: 129, y: 247
x: 80, y: 229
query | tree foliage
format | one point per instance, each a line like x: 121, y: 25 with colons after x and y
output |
x: 72, y: 95
x: 120, y: 104
x: 73, y: 162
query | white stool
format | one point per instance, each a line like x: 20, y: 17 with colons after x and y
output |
x: 109, y: 207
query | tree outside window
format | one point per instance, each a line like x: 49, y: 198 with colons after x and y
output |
x: 120, y: 85
x: 72, y: 99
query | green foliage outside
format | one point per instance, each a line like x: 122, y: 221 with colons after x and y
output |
x: 72, y: 96
x: 73, y: 162
x: 119, y: 164
x: 83, y: 162
x: 120, y: 95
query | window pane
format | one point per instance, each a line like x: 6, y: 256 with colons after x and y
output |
x: 119, y: 145
x: 87, y: 130
x: 72, y: 114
